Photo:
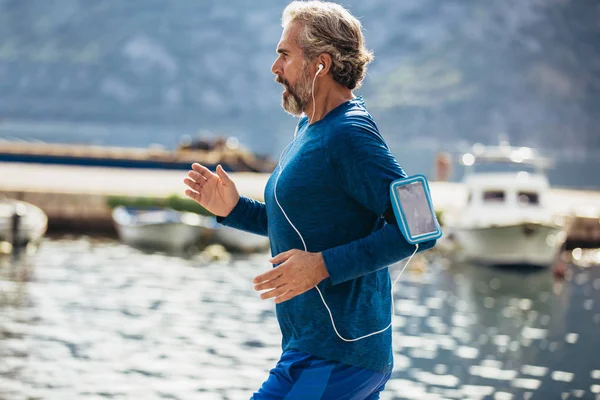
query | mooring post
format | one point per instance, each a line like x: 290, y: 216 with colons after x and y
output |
x: 16, y: 222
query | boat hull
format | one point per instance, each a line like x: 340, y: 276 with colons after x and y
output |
x: 169, y: 236
x: 519, y: 244
x: 33, y: 222
x: 235, y: 239
x: 161, y: 229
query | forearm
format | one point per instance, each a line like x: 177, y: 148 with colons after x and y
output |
x: 382, y: 248
x: 248, y: 215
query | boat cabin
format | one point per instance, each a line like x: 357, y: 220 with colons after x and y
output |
x: 505, y: 175
x: 505, y: 193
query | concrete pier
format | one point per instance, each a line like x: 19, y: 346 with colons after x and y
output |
x: 75, y: 198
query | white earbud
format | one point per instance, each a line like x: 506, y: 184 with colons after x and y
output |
x: 319, y: 68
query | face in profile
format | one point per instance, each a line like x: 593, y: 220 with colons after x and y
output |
x: 292, y: 72
x: 295, y: 97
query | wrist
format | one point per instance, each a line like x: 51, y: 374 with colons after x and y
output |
x: 324, y: 274
x: 235, y: 203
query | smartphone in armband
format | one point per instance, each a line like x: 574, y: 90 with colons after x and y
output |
x: 411, y: 202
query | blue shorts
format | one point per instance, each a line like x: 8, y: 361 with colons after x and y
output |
x: 301, y: 376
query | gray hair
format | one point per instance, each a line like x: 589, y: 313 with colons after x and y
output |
x: 330, y: 28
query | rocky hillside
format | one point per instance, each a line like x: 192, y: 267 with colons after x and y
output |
x: 446, y: 72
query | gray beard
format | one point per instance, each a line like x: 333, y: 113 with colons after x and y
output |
x: 297, y: 97
x: 292, y: 104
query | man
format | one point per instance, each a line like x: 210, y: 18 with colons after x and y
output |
x: 325, y: 214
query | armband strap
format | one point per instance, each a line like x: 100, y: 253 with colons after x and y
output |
x: 390, y: 217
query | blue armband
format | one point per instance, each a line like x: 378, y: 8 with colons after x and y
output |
x: 413, y: 208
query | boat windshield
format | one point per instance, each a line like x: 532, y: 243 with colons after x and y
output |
x: 503, y: 167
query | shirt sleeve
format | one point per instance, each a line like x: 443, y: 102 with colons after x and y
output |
x: 248, y: 215
x: 361, y: 160
x: 380, y: 249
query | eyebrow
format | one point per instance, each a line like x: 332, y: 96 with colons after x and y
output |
x: 283, y: 51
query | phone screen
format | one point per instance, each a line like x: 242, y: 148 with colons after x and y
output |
x: 417, y: 211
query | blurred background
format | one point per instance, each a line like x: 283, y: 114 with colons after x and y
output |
x: 445, y: 74
x: 112, y: 285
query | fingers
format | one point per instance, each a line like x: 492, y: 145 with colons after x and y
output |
x: 196, y: 176
x: 273, y: 283
x: 195, y: 181
x: 194, y: 185
x: 202, y: 170
x: 275, y: 292
x: 224, y: 176
x: 285, y: 281
x: 281, y: 293
x: 290, y: 294
x: 281, y: 257
x: 193, y: 195
x: 268, y: 276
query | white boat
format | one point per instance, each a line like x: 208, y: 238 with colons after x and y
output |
x: 237, y: 240
x: 506, y: 220
x: 161, y: 228
x: 21, y: 223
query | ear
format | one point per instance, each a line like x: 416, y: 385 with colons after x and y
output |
x: 324, y: 59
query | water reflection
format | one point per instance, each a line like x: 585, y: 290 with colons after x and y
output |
x: 92, y: 319
x: 505, y: 333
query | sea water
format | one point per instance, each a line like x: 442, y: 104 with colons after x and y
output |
x: 90, y: 318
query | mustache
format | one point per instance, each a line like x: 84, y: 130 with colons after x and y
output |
x: 282, y: 81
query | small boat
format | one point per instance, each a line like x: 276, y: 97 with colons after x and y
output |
x: 506, y: 220
x: 21, y: 223
x: 161, y: 228
x: 237, y: 240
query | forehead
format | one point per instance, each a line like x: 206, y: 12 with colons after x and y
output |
x: 289, y: 36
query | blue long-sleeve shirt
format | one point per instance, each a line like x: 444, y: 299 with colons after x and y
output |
x: 334, y: 187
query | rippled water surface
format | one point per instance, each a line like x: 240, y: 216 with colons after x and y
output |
x: 93, y: 319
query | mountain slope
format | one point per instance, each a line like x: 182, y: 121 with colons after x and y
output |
x: 445, y: 72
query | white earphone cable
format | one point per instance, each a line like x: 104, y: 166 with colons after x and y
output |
x: 306, y: 248
x: 312, y: 118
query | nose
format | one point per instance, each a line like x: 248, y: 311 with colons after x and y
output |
x: 276, y: 67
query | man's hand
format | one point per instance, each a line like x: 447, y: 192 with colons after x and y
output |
x: 215, y: 192
x: 297, y: 272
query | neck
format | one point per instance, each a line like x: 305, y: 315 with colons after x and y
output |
x: 325, y: 101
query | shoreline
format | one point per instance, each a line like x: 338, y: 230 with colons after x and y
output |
x: 75, y: 198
